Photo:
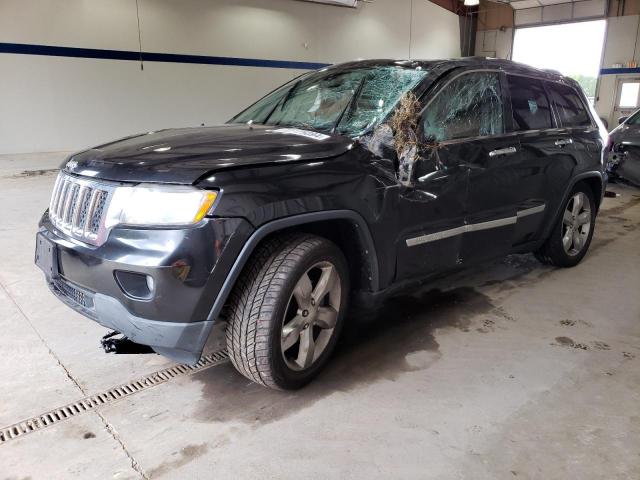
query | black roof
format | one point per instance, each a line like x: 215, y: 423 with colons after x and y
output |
x: 451, y: 63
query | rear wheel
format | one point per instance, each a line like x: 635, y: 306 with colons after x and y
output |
x: 287, y: 310
x: 572, y: 234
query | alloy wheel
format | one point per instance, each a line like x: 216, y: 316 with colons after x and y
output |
x: 311, y: 316
x: 576, y: 224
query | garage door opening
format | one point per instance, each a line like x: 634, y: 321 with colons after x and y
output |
x: 573, y: 49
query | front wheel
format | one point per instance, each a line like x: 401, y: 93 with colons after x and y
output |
x: 571, y: 236
x: 287, y: 310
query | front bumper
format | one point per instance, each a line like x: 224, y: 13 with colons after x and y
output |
x: 188, y: 267
x: 624, y: 162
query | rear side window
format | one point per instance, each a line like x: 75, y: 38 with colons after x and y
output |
x: 570, y: 108
x: 530, y: 104
x: 470, y: 106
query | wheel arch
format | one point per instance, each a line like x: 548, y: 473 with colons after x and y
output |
x: 596, y: 185
x: 593, y: 179
x: 321, y: 223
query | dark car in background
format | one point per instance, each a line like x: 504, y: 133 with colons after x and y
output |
x: 624, y: 160
x: 355, y: 180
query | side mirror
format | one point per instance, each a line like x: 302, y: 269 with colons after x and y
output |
x: 622, y: 120
x: 407, y: 159
x: 381, y: 142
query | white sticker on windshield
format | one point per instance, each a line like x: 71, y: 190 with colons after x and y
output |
x: 302, y: 133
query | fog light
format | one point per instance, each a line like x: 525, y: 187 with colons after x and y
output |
x: 135, y: 285
x: 150, y: 283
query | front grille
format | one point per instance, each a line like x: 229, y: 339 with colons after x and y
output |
x: 78, y: 207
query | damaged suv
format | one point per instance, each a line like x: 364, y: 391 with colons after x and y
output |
x: 357, y: 179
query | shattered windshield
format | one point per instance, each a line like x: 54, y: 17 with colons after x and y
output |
x: 349, y: 102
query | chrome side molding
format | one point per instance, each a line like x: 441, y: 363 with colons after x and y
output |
x: 474, y: 227
x: 503, y: 151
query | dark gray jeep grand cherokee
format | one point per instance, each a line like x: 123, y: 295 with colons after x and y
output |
x: 356, y: 179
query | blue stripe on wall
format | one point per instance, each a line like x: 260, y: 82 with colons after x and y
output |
x: 73, y: 52
x: 618, y: 71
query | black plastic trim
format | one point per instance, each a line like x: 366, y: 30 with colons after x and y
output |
x: 574, y: 181
x: 288, y: 222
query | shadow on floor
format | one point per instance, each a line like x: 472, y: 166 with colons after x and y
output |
x: 398, y: 337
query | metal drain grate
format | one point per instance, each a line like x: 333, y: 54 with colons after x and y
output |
x: 109, y: 396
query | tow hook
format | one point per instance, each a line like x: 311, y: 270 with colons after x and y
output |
x: 113, y: 344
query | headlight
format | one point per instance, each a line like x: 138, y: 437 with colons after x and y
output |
x: 159, y: 205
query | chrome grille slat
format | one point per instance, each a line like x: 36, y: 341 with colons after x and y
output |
x: 92, y: 211
x: 84, y: 211
x: 61, y: 197
x: 78, y: 207
x: 97, y: 213
x: 75, y: 222
x: 72, y: 192
x: 56, y: 194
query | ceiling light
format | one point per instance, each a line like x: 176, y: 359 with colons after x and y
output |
x: 471, y: 3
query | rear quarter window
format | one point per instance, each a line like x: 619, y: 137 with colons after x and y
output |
x: 570, y: 107
x: 529, y: 103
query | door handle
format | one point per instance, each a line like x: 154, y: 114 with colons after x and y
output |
x: 435, y: 176
x: 563, y: 142
x: 503, y: 151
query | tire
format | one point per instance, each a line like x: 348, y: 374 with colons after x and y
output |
x: 571, y: 235
x: 266, y: 315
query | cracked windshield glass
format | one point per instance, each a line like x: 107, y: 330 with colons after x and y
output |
x: 350, y: 102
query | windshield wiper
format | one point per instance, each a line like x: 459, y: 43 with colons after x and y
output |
x: 282, y: 102
x: 350, y: 105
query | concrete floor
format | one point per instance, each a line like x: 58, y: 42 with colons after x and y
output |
x: 513, y: 370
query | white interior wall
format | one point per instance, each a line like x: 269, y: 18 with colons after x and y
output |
x: 435, y: 32
x: 60, y: 103
x: 495, y: 43
x: 621, y: 46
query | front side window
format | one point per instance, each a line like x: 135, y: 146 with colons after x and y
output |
x: 570, y: 108
x: 351, y: 102
x: 529, y: 103
x: 470, y: 106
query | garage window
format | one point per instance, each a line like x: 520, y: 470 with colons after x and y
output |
x: 469, y: 106
x: 530, y: 104
x: 629, y: 95
x: 570, y: 108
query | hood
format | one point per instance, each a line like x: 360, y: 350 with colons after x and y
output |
x: 184, y: 155
x: 626, y: 134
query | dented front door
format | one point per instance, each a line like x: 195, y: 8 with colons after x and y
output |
x: 430, y: 214
x: 463, y: 122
